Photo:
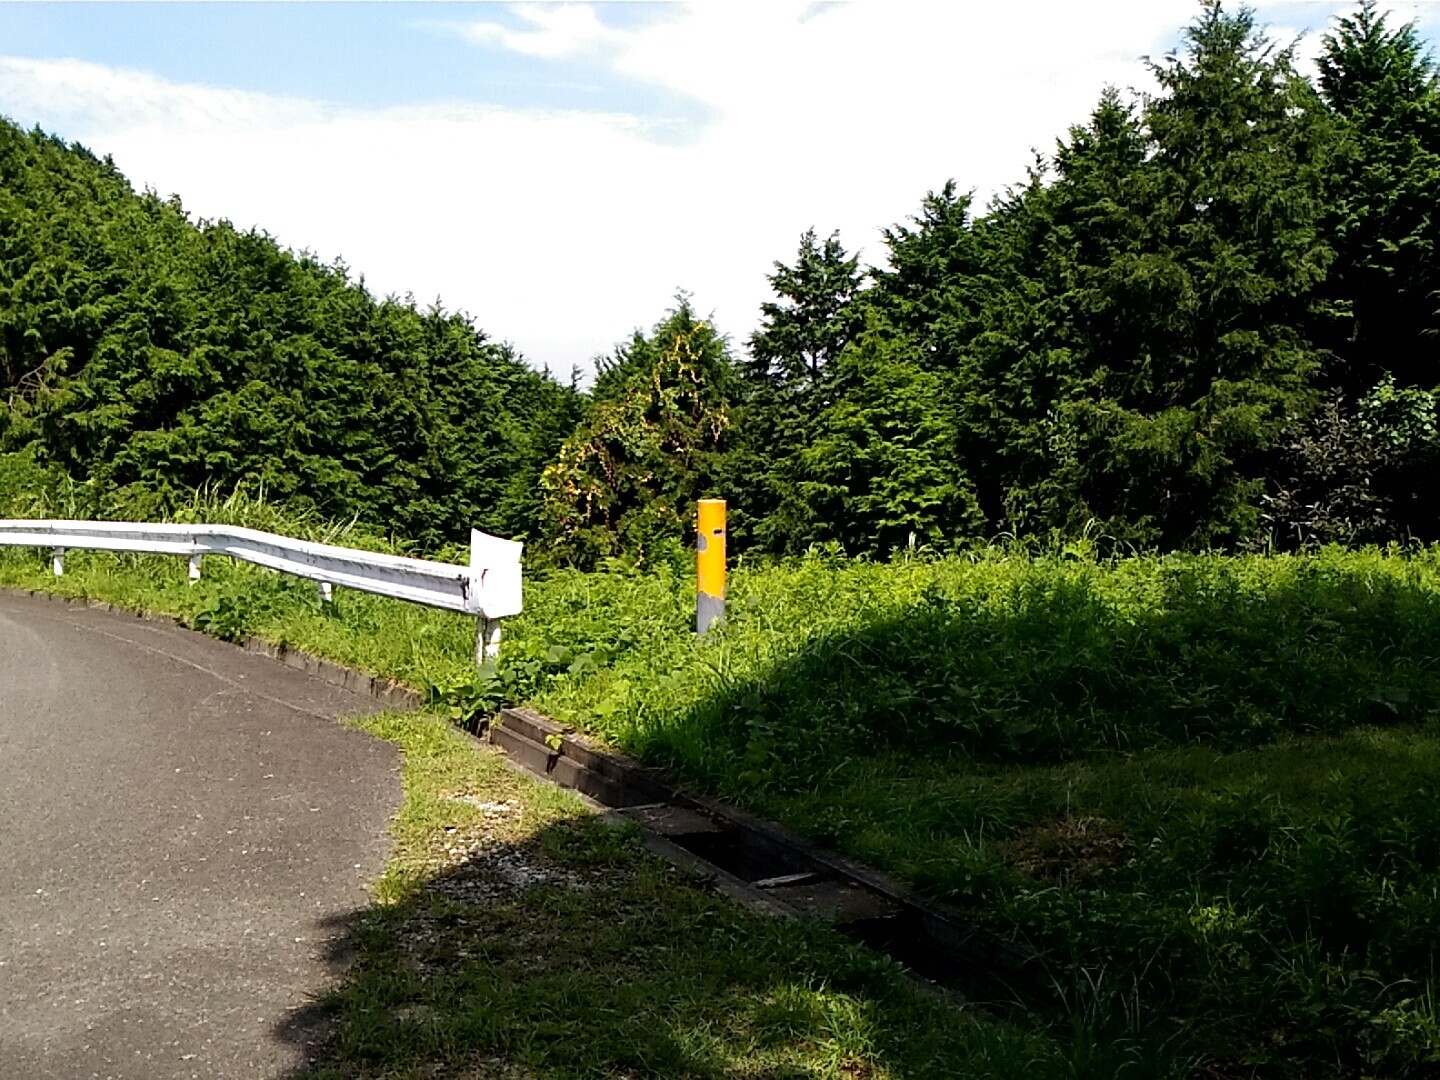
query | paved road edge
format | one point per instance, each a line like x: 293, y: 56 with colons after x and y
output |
x: 389, y: 693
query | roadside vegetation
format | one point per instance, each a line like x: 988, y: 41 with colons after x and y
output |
x: 1202, y: 786
x: 516, y: 934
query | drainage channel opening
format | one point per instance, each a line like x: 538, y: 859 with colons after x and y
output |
x: 965, y: 968
x: 900, y: 937
x: 731, y: 851
x: 867, y: 918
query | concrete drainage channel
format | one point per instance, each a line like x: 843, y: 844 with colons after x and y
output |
x: 768, y: 867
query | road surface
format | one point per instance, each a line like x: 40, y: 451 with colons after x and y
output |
x: 182, y: 826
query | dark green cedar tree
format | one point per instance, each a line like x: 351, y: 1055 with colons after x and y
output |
x: 786, y: 382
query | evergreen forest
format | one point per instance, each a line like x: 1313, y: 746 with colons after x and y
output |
x: 1204, y: 319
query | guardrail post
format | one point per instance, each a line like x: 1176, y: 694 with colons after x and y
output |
x: 57, y: 562
x: 494, y: 589
x: 710, y: 565
x: 194, y: 568
x: 326, y: 591
x: 487, y: 640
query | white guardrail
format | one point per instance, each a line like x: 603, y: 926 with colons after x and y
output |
x: 489, y: 588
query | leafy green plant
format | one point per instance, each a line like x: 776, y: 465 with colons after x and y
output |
x: 227, y: 615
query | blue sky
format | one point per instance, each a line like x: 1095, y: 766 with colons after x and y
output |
x: 516, y: 161
x: 376, y: 54
x: 371, y: 54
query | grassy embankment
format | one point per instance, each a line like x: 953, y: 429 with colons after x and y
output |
x: 1204, y: 786
x: 515, y: 935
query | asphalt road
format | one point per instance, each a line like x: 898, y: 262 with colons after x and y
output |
x: 182, y: 824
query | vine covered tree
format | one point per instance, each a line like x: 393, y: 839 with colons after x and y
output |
x: 625, y: 482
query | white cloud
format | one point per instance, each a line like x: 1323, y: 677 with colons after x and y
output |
x: 556, y: 32
x: 563, y: 230
x: 101, y: 99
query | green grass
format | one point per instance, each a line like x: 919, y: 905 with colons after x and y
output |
x: 517, y: 935
x: 1205, y: 787
x: 1283, y: 900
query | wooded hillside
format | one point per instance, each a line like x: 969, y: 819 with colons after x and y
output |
x: 151, y: 354
x: 1207, y: 318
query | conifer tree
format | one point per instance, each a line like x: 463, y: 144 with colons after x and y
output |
x: 1193, y: 356
x: 1384, y: 210
x: 880, y: 472
x: 805, y: 329
x: 788, y: 376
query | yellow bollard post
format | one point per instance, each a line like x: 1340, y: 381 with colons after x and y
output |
x: 710, y: 565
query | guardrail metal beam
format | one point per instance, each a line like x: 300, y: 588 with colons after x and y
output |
x: 490, y: 587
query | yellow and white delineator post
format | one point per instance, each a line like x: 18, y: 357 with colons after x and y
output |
x: 710, y: 565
